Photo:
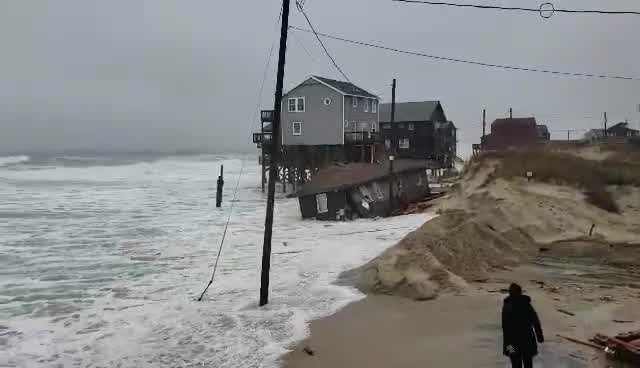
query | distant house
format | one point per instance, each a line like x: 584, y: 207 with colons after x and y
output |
x: 420, y: 131
x: 362, y: 190
x: 322, y: 111
x: 618, y: 132
x: 594, y: 135
x: 622, y: 130
x: 515, y: 132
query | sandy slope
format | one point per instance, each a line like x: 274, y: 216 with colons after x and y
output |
x: 488, y: 224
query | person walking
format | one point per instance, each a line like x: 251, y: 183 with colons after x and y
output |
x: 520, y: 328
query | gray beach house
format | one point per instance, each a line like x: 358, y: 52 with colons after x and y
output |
x: 327, y: 112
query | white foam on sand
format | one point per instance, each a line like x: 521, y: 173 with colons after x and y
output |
x: 152, y: 318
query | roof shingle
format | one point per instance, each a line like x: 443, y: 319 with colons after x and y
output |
x: 409, y: 111
x: 346, y: 87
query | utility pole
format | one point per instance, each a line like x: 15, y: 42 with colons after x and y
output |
x: 484, y: 127
x: 393, y: 115
x: 568, y: 135
x: 605, y: 125
x: 273, y: 168
x: 393, y: 145
x: 510, y: 113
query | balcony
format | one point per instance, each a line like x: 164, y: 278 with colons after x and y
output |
x: 267, y: 116
x: 262, y: 138
x: 360, y: 137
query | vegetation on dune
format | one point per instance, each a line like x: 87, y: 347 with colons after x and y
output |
x: 593, y: 177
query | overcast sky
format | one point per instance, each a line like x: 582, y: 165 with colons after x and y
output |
x: 184, y: 75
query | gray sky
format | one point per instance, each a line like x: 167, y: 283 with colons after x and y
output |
x: 184, y: 75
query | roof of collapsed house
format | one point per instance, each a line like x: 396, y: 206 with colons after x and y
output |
x: 340, y: 177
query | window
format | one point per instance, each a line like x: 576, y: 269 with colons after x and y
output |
x: 354, y: 101
x: 387, y: 143
x: 374, y: 127
x: 366, y: 105
x: 327, y: 101
x: 386, y: 126
x: 366, y: 194
x: 297, y: 128
x: 411, y: 126
x: 296, y: 104
x: 419, y: 180
x: 401, y: 125
x: 321, y: 203
x: 404, y: 143
x: 374, y: 106
x: 378, y: 190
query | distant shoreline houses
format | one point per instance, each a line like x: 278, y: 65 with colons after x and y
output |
x: 339, y: 144
x: 350, y: 124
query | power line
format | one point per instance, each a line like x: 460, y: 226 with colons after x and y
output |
x: 546, y: 10
x: 235, y: 191
x: 490, y: 65
x: 303, y: 47
x: 301, y: 9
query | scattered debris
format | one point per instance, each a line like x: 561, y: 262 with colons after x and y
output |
x: 543, y: 249
x: 481, y: 280
x: 309, y: 351
x: 622, y: 321
x: 607, y: 298
x: 573, y: 355
x: 541, y: 283
x: 285, y: 243
x: 565, y: 312
x: 585, y: 343
x: 624, y: 347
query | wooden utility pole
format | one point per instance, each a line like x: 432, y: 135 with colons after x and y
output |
x: 510, y: 113
x: 393, y: 115
x: 393, y: 146
x: 273, y: 168
x: 568, y: 135
x: 484, y: 127
x: 605, y: 125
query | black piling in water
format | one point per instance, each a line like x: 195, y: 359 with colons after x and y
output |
x: 219, y: 187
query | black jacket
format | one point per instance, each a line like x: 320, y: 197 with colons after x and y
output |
x: 519, y: 321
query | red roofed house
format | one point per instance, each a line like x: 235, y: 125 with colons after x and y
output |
x: 515, y: 132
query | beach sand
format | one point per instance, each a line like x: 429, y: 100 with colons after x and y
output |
x: 461, y: 330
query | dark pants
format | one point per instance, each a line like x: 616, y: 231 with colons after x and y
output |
x: 520, y: 361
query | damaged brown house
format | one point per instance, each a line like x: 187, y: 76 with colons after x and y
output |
x: 344, y: 192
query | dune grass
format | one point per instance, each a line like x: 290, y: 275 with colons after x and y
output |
x: 593, y: 177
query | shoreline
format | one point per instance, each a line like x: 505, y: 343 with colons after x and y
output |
x: 454, y: 330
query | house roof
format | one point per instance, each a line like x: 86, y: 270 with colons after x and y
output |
x: 542, y: 129
x: 622, y: 125
x: 345, y: 88
x: 409, y: 111
x: 514, y: 121
x: 337, y: 178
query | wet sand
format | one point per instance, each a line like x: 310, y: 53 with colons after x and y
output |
x: 458, y: 330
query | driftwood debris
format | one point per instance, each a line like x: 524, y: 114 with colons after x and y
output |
x: 581, y: 342
x: 309, y: 351
x: 565, y: 312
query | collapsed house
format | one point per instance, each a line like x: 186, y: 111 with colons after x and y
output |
x: 344, y: 192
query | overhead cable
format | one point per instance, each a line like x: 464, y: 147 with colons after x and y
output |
x: 546, y: 10
x: 464, y: 61
x: 301, y: 9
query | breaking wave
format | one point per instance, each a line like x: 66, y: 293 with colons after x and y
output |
x: 13, y: 160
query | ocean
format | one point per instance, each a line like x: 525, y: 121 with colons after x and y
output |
x: 102, y: 259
